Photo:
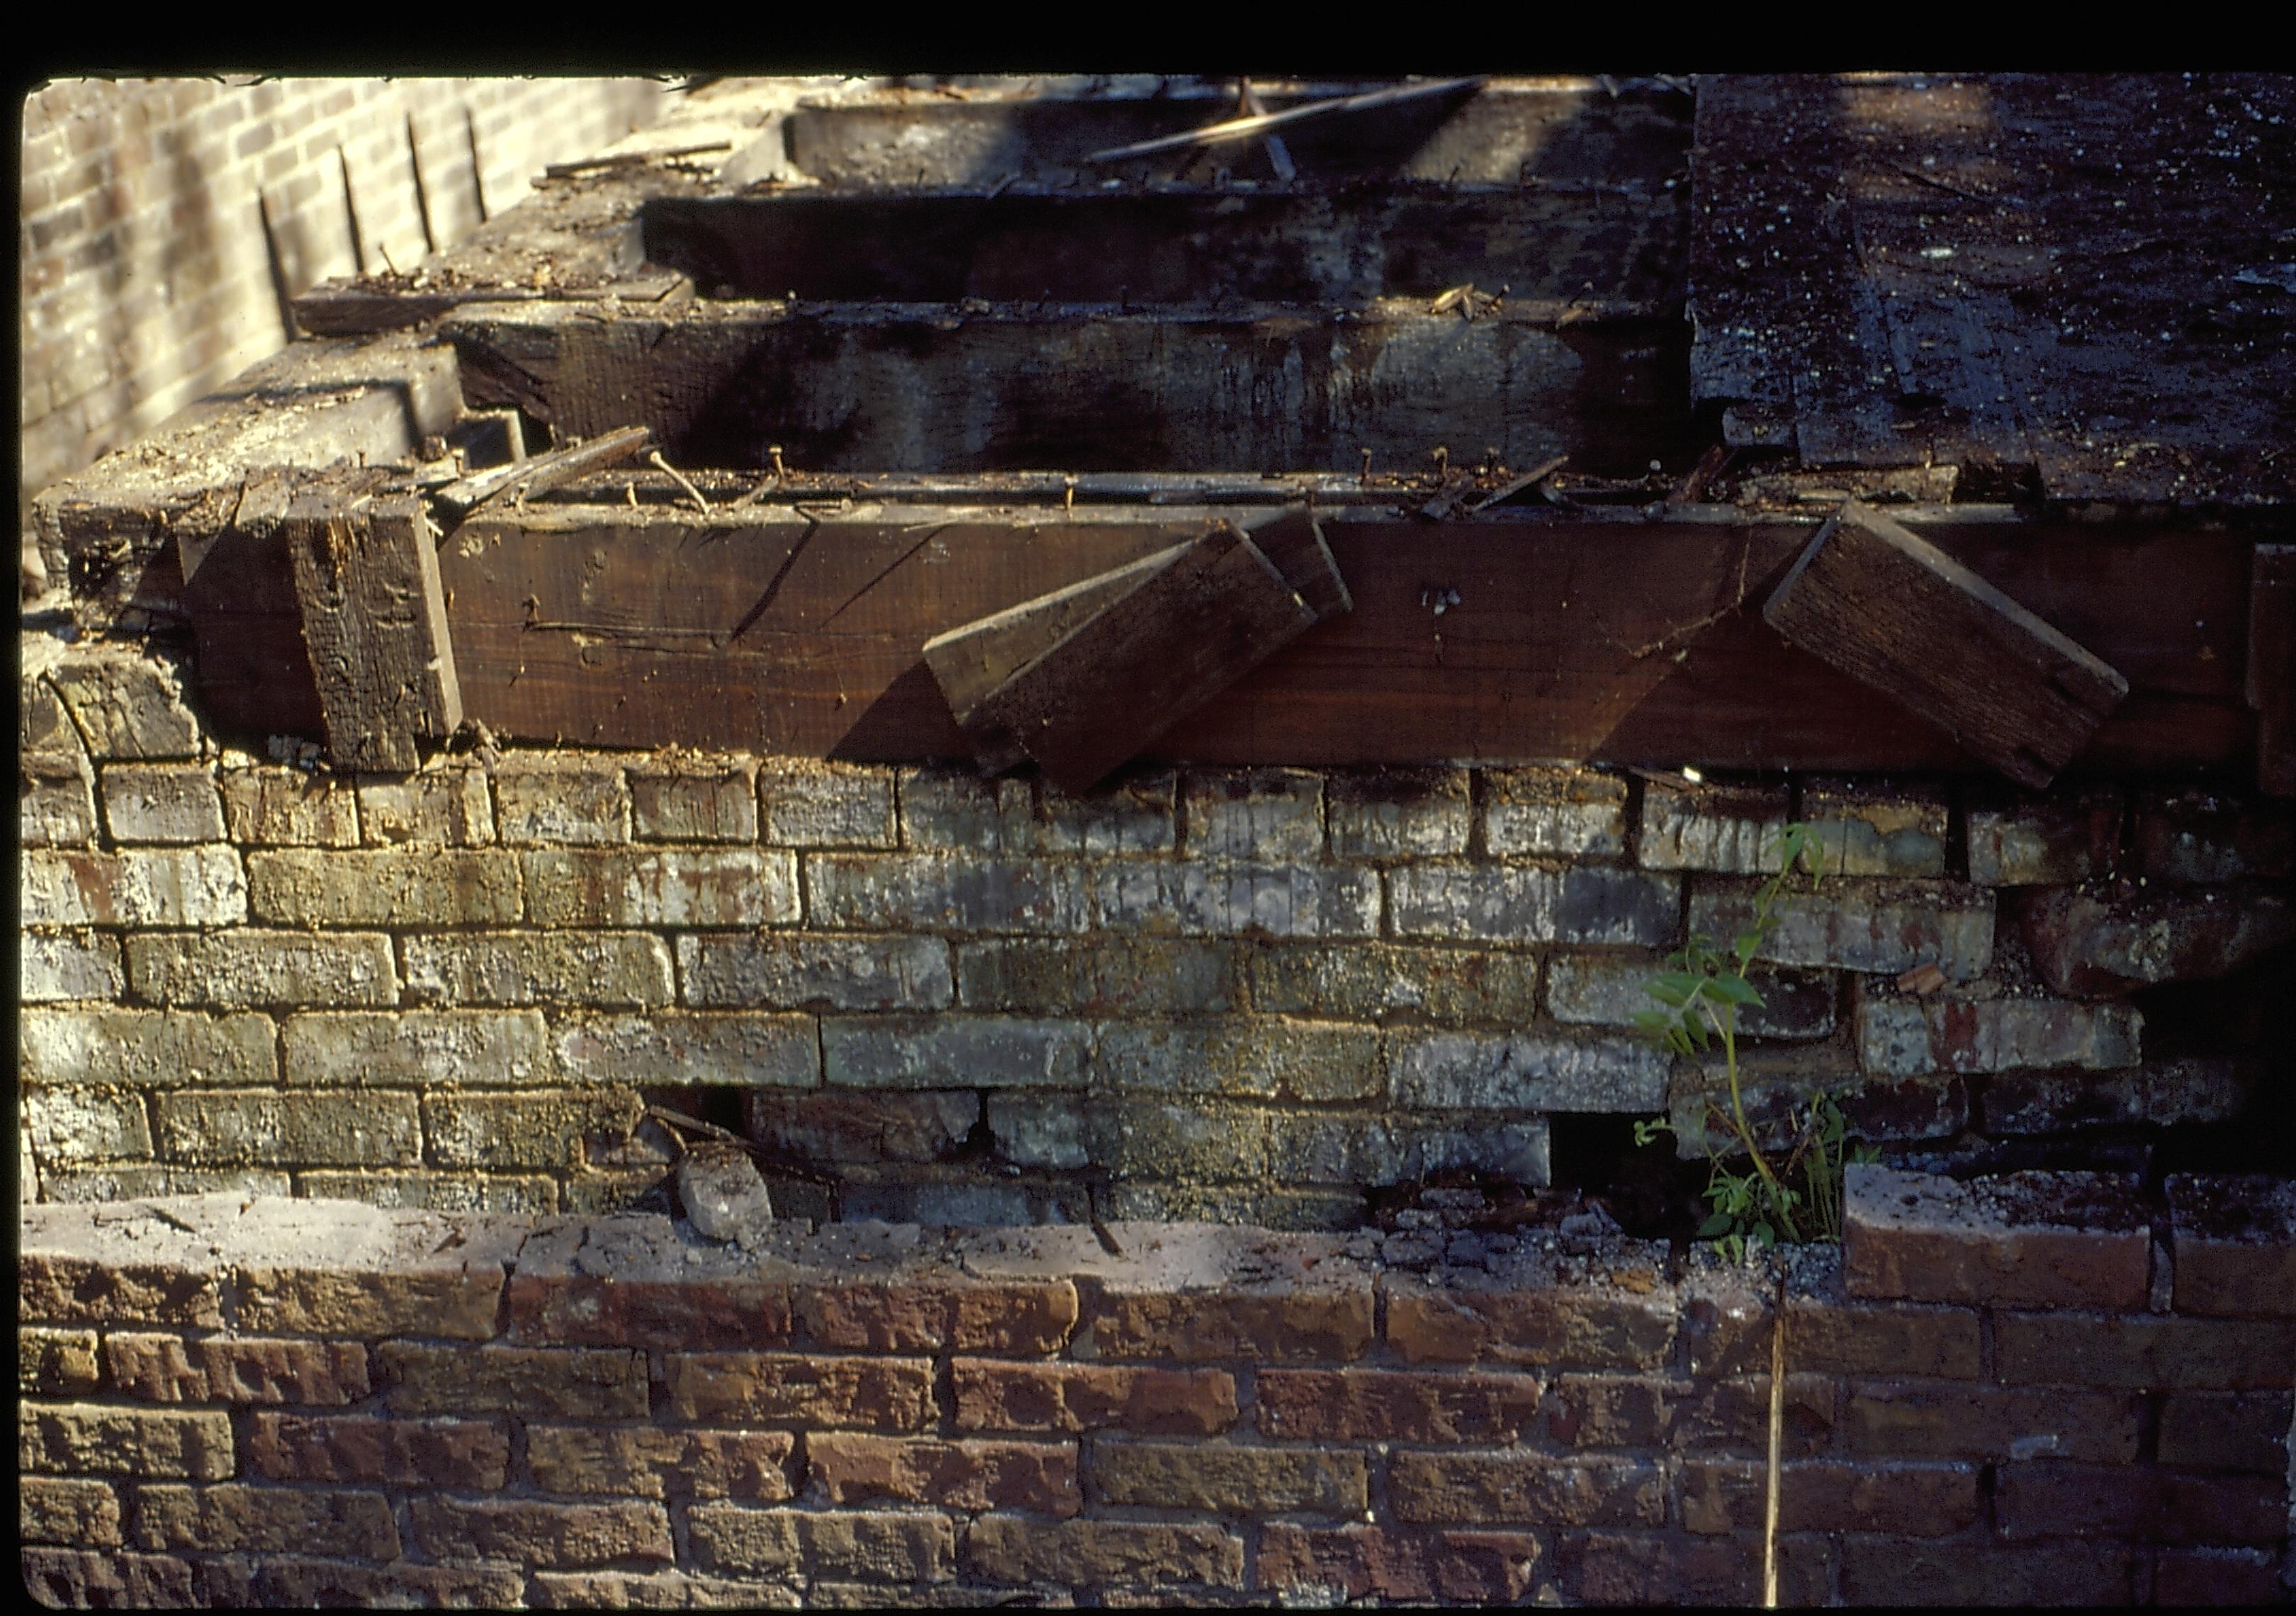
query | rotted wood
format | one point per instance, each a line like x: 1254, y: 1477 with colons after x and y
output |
x: 366, y: 571
x: 1180, y: 636
x: 2272, y: 666
x: 524, y: 478
x: 1900, y: 615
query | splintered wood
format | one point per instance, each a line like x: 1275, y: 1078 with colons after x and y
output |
x: 1899, y: 615
x: 1085, y: 678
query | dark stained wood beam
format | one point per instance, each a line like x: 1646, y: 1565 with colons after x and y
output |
x: 2271, y: 685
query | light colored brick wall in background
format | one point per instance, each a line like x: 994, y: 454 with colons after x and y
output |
x: 144, y: 278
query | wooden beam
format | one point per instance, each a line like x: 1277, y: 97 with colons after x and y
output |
x: 1177, y: 638
x: 2271, y: 683
x: 538, y: 473
x: 1900, y: 615
x: 1294, y: 541
x: 374, y: 621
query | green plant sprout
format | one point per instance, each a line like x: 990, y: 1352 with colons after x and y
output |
x: 1799, y: 1197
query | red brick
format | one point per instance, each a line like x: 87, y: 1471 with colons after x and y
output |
x: 81, y: 1579
x: 2236, y: 1240
x: 854, y: 1468
x: 2142, y: 1503
x: 658, y: 1591
x: 74, y: 1512
x: 2050, y: 1240
x: 1731, y: 1333
x: 1016, y: 1317
x: 1623, y: 1411
x: 894, y: 1394
x: 907, y: 1546
x: 1474, y: 1488
x: 1894, y: 1421
x: 2206, y: 1430
x: 1916, y: 1572
x: 651, y: 1463
x: 1372, y: 1563
x: 1319, y: 1325
x: 1222, y: 1479
x: 2218, y: 1575
x: 2169, y: 1354
x: 167, y: 1369
x: 65, y: 1290
x: 541, y: 1534
x: 992, y: 1396
x: 1642, y: 1568
x: 55, y: 1361
x: 265, y: 1520
x: 1103, y: 1555
x: 1342, y: 1404
x: 468, y: 1454
x: 582, y: 1310
x: 459, y: 1301
x: 1831, y: 1496
x: 1550, y: 1325
x: 569, y: 1382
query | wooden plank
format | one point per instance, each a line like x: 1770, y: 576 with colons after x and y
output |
x: 1176, y: 639
x: 238, y: 592
x: 523, y: 478
x: 2271, y: 682
x: 374, y: 620
x: 1897, y: 613
x: 1295, y: 543
x: 969, y: 663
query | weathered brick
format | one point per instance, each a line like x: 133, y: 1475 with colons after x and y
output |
x: 126, y: 706
x: 794, y: 971
x: 2190, y: 1089
x: 56, y: 803
x: 2236, y: 1240
x: 1372, y: 982
x: 161, y: 802
x: 63, y: 965
x: 292, y: 1581
x: 468, y: 1455
x: 1372, y: 1563
x: 661, y: 887
x: 662, y: 1591
x: 891, y: 1394
x: 1386, y: 1405
x: 844, y: 1125
x: 2128, y: 1501
x: 53, y: 1361
x: 1297, y: 1060
x: 1876, y: 827
x: 2218, y: 1575
x: 1610, y: 991
x: 1989, y: 1422
x: 1736, y: 829
x: 1096, y: 976
x: 1188, y: 1140
x: 1232, y: 1481
x: 521, y: 1193
x: 1523, y: 904
x: 77, y: 1125
x: 693, y: 800
x: 859, y: 891
x: 2218, y: 1431
x: 1103, y: 1554
x: 287, y: 807
x: 1660, y: 1569
x: 51, y: 1509
x: 195, y: 886
x: 1092, y: 1396
x: 809, y: 804
x: 1623, y: 1411
x: 947, y: 1052
x: 566, y: 1383
x: 1776, y: 1082
x: 42, y: 725
x: 142, y: 1048
x: 417, y: 1047
x: 1507, y: 1487
x: 62, y: 1286
x: 404, y: 886
x: 1860, y: 926
x: 1398, y: 813
x: 2088, y: 945
x: 1027, y: 1316
x: 1567, y: 812
x: 1845, y: 1339
x: 1314, y: 1209
x: 168, y: 1369
x: 237, y: 968
x: 605, y: 970
x: 2036, y: 1239
x: 853, y: 1467
x: 541, y: 1534
x: 956, y: 810
x: 1829, y: 1495
x: 1220, y: 898
x: 678, y: 1051
x: 265, y: 1520
x: 1389, y: 1147
x: 2199, y: 837
x: 1903, y: 1038
x: 2169, y: 1354
x: 1265, y: 813
x: 642, y: 1462
x: 1529, y: 1072
x: 2072, y: 837
x: 78, y: 1438
x: 900, y: 1547
x: 1624, y: 1325
x: 541, y: 1129
x: 231, y: 1126
x: 564, y: 798
x: 451, y: 807
x: 70, y: 1578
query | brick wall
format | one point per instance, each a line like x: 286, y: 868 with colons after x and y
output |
x: 1241, y: 995
x: 146, y: 280
x: 2028, y: 1390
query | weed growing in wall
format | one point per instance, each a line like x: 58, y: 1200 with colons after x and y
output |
x: 1794, y: 1197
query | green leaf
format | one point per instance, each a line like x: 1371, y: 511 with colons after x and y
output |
x: 1719, y: 1224
x: 1736, y: 989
